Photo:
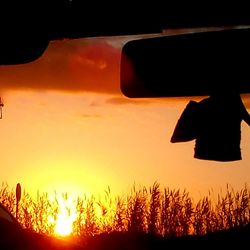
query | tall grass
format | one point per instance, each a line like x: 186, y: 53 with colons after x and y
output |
x: 154, y: 210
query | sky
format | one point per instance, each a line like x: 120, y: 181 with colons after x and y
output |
x: 67, y: 127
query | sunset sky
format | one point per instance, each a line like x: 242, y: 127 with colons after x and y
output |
x: 67, y: 127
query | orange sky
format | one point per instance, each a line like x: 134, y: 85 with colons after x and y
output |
x: 67, y: 127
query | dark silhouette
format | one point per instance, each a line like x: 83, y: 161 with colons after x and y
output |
x: 219, y: 127
x: 221, y: 239
x: 186, y: 126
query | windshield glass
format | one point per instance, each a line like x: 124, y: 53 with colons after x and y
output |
x: 66, y: 127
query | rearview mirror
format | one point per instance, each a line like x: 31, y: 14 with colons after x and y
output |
x: 193, y: 64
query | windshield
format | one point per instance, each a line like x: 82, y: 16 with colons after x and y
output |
x: 67, y: 127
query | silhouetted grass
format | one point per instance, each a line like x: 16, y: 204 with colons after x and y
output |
x: 154, y: 210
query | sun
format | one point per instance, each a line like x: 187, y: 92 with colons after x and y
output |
x: 64, y: 225
x: 67, y: 214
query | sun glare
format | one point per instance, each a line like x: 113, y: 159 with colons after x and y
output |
x: 65, y: 218
x: 64, y: 225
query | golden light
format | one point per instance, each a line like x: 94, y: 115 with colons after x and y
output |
x: 64, y: 225
x: 66, y: 216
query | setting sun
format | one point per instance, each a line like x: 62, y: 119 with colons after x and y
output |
x: 66, y: 216
x: 64, y: 225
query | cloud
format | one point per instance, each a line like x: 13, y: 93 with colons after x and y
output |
x: 124, y: 100
x: 80, y: 65
x: 87, y: 116
x: 96, y: 68
x: 74, y: 65
x: 70, y: 65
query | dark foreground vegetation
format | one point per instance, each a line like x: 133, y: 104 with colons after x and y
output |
x: 226, y: 239
x: 148, y: 218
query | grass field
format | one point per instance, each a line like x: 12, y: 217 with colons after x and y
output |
x: 146, y: 218
x: 154, y: 210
